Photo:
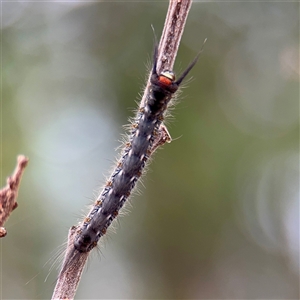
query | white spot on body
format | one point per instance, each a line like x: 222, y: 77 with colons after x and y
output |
x: 146, y: 110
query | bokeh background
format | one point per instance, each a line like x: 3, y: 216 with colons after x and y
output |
x: 217, y: 216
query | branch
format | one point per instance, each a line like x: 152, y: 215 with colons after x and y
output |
x: 8, y: 195
x: 170, y: 39
x: 69, y: 278
x: 74, y: 259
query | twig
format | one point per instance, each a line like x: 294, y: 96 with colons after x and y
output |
x: 69, y: 279
x: 75, y: 260
x: 170, y: 39
x: 8, y: 195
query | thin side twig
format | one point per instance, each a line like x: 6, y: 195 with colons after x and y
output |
x: 70, y: 273
x: 9, y: 194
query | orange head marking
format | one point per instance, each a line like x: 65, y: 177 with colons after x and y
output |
x: 166, y: 78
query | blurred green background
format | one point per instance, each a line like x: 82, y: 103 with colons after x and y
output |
x: 217, y: 215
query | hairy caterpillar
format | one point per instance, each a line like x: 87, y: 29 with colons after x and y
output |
x: 147, y: 133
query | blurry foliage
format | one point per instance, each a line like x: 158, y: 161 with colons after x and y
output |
x: 219, y: 217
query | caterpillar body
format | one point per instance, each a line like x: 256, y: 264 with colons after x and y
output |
x: 147, y: 133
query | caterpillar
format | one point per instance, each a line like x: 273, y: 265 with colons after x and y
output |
x: 146, y: 134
